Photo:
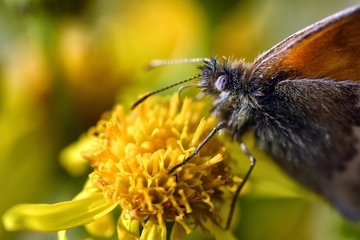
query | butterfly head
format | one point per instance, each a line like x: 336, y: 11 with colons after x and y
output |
x: 226, y: 83
x: 221, y: 77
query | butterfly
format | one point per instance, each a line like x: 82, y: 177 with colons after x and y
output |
x: 301, y: 99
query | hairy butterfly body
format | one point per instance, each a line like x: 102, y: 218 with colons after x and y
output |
x: 302, y: 99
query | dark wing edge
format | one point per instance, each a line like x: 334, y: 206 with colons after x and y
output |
x: 329, y: 49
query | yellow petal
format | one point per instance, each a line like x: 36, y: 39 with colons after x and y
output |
x: 58, y: 216
x: 71, y: 159
x: 62, y: 235
x: 128, y: 229
x: 178, y: 232
x: 153, y: 231
x: 102, y: 227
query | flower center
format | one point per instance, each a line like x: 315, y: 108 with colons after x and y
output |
x: 134, y: 153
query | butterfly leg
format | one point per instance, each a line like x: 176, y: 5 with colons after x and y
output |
x: 216, y: 129
x: 238, y: 190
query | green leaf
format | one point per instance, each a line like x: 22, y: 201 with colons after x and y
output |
x: 217, y: 231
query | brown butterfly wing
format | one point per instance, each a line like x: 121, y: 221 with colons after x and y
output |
x: 327, y: 111
x: 327, y: 49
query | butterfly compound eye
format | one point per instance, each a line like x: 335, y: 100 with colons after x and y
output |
x: 221, y: 82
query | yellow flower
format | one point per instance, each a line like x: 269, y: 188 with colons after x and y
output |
x: 133, y: 158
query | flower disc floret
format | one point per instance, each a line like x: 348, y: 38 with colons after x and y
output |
x: 133, y: 155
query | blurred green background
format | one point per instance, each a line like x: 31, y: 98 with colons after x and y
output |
x: 64, y: 62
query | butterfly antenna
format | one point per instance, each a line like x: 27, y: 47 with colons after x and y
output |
x: 161, y: 62
x: 143, y: 98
